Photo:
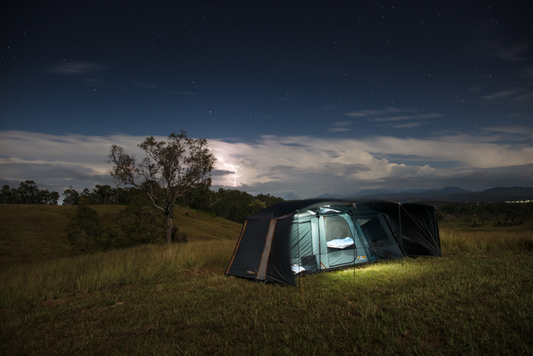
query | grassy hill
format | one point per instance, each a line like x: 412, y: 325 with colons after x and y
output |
x: 33, y: 233
x: 175, y: 299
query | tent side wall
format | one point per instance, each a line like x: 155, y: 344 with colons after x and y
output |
x: 383, y: 245
x: 420, y: 230
x: 247, y: 255
x: 279, y: 259
x: 414, y: 226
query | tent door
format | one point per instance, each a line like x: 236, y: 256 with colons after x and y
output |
x: 336, y: 230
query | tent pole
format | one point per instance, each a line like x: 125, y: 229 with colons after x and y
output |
x: 354, y: 244
x: 367, y: 251
x: 299, y: 256
x: 319, y: 244
x: 436, y: 228
x: 401, y: 234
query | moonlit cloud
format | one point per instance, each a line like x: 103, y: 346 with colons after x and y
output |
x: 518, y: 95
x: 304, y: 165
x: 342, y: 126
x: 408, y: 125
x: 517, y: 132
x: 87, y: 73
x: 392, y: 117
x: 76, y: 68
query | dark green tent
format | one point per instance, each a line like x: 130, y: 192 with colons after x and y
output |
x: 311, y: 236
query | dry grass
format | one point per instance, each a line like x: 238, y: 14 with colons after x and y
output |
x: 36, y: 233
x: 483, y: 243
x: 88, y: 273
x: 476, y: 300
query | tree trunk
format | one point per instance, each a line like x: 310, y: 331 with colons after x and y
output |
x: 169, y: 228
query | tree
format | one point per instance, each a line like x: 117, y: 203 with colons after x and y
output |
x: 141, y: 223
x: 86, y: 197
x: 46, y: 197
x: 71, y: 196
x: 28, y: 191
x: 170, y: 170
x: 54, y: 198
x: 102, y: 193
x: 6, y: 194
x: 84, y: 231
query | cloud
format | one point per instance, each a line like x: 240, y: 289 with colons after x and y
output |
x: 517, y: 95
x: 76, y: 68
x: 502, y: 49
x: 509, y: 53
x: 88, y: 73
x: 408, y: 125
x: 510, y: 134
x: 341, y: 126
x: 393, y: 117
x: 145, y: 86
x: 386, y: 111
x: 183, y: 92
x: 311, y: 166
x: 405, y: 117
x: 304, y: 165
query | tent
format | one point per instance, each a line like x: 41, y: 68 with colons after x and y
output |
x: 310, y: 236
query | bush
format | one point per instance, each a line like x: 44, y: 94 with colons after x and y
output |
x: 84, y: 231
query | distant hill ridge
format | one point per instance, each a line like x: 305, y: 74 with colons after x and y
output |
x: 452, y: 194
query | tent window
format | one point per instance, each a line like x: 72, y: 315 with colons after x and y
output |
x: 337, y: 228
x: 376, y: 232
x: 338, y: 234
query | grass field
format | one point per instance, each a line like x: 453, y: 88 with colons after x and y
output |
x: 476, y: 300
x: 35, y: 233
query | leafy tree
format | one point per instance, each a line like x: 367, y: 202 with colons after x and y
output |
x: 46, y: 197
x: 235, y: 205
x: 269, y: 200
x: 28, y: 192
x: 170, y: 170
x: 257, y: 205
x: 125, y: 195
x: 5, y: 194
x: 84, y: 231
x: 102, y: 193
x: 71, y: 196
x: 202, y: 199
x: 141, y: 223
x: 14, y: 197
x: 86, y: 197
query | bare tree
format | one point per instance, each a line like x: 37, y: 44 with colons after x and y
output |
x: 171, y: 169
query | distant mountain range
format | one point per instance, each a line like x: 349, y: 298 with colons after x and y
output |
x: 452, y: 194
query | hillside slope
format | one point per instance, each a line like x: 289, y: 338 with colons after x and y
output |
x: 31, y: 233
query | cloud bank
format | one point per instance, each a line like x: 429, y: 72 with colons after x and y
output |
x: 303, y: 165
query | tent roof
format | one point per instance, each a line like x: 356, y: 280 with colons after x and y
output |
x: 287, y: 209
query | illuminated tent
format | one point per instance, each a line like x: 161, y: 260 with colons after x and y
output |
x: 311, y: 236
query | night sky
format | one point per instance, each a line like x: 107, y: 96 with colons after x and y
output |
x: 301, y: 97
